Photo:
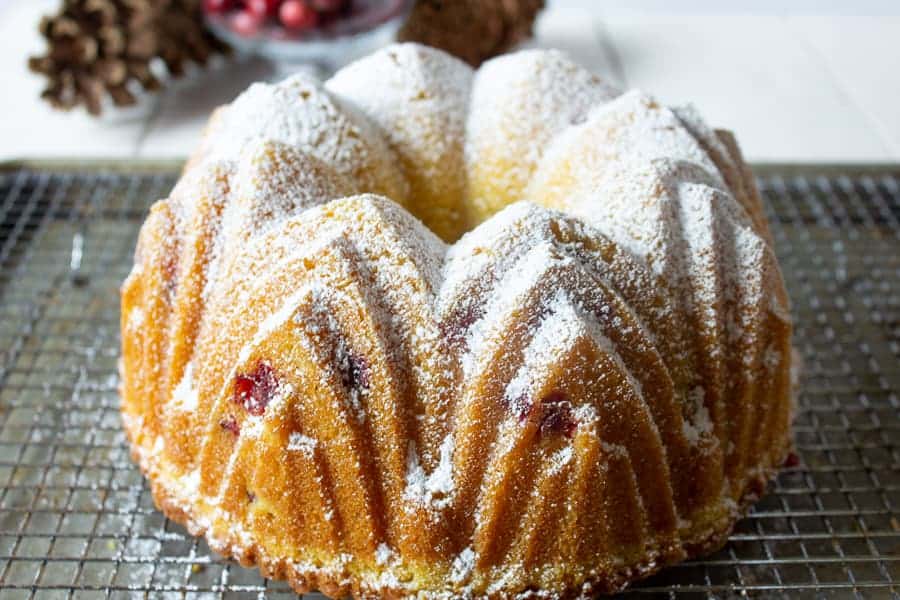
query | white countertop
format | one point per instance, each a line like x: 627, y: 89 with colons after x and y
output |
x: 796, y: 88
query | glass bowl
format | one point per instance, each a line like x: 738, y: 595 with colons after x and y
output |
x: 362, y: 27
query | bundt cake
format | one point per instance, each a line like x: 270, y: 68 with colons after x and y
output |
x: 424, y: 331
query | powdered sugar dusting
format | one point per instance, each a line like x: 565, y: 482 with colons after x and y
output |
x: 136, y: 318
x: 641, y: 178
x: 185, y: 396
x: 550, y: 89
x: 463, y: 565
x: 301, y: 114
x: 297, y: 442
x: 561, y: 459
x: 698, y: 423
x: 417, y: 97
x: 383, y: 554
x: 436, y: 488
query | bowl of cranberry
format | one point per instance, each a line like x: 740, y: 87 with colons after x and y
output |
x: 327, y: 33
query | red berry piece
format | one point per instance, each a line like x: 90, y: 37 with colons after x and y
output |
x: 255, y: 390
x: 556, y: 415
x: 217, y: 7
x: 262, y: 8
x: 230, y: 424
x: 246, y: 23
x: 243, y: 389
x: 355, y: 372
x: 791, y: 461
x: 297, y: 15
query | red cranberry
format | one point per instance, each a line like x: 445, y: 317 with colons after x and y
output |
x: 243, y: 388
x: 262, y: 8
x: 556, y: 415
x: 230, y: 424
x: 355, y: 372
x: 246, y: 23
x: 297, y: 15
x: 254, y: 391
x: 792, y: 460
x: 217, y: 7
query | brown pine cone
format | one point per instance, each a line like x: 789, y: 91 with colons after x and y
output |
x: 100, y: 48
x: 473, y: 30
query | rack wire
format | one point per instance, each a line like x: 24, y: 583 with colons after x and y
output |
x: 77, y: 519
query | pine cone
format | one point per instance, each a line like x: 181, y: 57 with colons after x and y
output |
x: 99, y: 48
x: 473, y: 30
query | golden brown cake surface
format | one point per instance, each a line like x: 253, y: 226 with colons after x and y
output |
x: 323, y: 378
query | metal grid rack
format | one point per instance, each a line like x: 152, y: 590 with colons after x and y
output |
x: 77, y: 520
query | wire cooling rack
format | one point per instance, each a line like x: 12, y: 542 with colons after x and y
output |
x: 77, y: 520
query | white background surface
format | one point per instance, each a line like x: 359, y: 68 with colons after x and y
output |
x: 793, y: 85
